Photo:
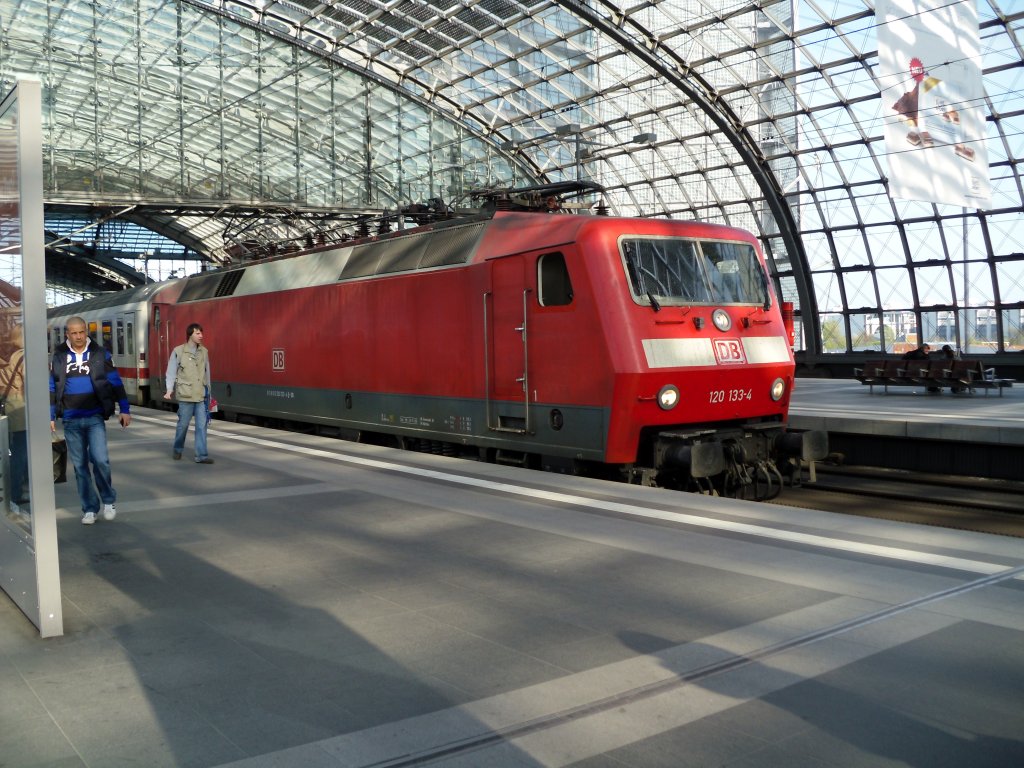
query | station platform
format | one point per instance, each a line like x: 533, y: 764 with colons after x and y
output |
x: 846, y: 405
x: 311, y: 602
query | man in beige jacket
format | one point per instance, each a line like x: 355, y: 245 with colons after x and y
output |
x: 188, y: 381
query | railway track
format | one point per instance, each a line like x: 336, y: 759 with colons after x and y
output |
x: 964, y: 503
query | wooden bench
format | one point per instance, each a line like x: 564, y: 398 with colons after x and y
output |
x: 933, y: 374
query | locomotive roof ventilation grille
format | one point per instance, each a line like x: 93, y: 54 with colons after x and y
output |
x: 426, y: 250
x: 229, y: 282
x: 211, y: 285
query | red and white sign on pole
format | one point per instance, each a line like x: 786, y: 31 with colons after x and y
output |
x: 933, y: 103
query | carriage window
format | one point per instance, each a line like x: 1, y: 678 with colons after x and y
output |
x: 676, y: 271
x: 130, y: 339
x: 119, y: 338
x: 108, y: 334
x: 555, y: 287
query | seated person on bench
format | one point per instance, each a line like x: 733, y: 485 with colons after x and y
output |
x: 921, y: 353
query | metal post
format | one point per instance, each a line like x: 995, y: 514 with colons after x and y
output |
x: 487, y: 368
x: 964, y: 330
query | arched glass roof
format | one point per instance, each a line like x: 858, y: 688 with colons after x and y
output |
x: 761, y: 114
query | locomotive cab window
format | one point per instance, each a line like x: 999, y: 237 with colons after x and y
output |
x: 735, y: 273
x: 553, y: 283
x: 674, y: 271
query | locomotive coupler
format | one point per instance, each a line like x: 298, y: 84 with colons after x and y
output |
x: 809, y: 446
x: 685, y: 451
x: 798, y: 447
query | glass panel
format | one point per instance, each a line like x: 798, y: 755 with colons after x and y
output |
x: 886, y: 248
x: 866, y: 333
x: 12, y: 405
x: 978, y: 292
x: 827, y: 288
x: 933, y: 286
x: 1013, y: 330
x: 860, y: 289
x: 940, y: 328
x: 925, y: 241
x: 819, y: 252
x: 1010, y: 275
x: 901, y: 332
x: 894, y: 287
x: 13, y: 416
x: 833, y: 333
x: 982, y: 331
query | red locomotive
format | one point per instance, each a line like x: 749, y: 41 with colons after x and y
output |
x: 648, y: 349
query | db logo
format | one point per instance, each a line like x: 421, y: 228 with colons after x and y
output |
x: 729, y: 351
x: 277, y: 356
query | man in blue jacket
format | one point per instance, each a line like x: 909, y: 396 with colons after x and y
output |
x: 84, y: 385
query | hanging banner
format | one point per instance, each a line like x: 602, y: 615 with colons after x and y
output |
x: 933, y: 103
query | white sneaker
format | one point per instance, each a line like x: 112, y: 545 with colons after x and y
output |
x: 109, y: 512
x: 88, y: 518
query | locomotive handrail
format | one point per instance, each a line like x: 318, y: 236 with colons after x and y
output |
x: 487, y: 367
x: 524, y: 379
x: 526, y: 362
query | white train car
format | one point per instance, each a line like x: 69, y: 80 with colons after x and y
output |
x: 120, y: 323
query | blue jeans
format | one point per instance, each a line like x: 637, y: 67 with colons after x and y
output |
x: 185, y: 413
x: 87, y: 444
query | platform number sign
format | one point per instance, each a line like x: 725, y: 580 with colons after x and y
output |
x: 277, y: 356
x: 729, y: 351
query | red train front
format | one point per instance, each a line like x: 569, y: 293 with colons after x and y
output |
x: 646, y: 349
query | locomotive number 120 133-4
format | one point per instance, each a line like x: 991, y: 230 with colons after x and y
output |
x: 730, y: 395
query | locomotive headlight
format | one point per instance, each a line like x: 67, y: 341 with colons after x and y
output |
x: 721, y: 320
x: 668, y: 397
x: 778, y: 389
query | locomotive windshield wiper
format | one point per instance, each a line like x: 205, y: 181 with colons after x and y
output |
x: 635, y: 278
x: 767, y: 290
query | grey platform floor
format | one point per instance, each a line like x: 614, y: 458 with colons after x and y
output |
x: 308, y: 602
x: 846, y: 405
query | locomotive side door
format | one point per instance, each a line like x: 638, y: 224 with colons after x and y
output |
x: 507, y: 361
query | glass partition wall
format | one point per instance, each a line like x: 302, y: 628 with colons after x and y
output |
x: 29, y: 570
